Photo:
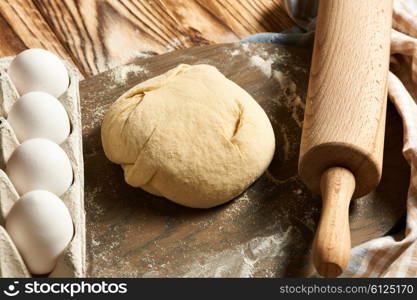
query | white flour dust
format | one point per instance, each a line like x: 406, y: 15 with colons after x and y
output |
x: 241, y: 260
x: 264, y: 65
x: 144, y: 55
x: 292, y: 100
x: 176, y: 43
x: 235, y: 52
x: 120, y: 74
x: 245, y: 46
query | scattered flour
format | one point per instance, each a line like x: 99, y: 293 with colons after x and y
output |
x: 90, y: 198
x: 264, y: 65
x: 245, y: 46
x: 293, y: 101
x: 121, y: 73
x: 95, y: 243
x: 145, y: 54
x: 287, y: 84
x: 237, y: 206
x: 235, y: 52
x: 241, y: 260
x: 98, y: 114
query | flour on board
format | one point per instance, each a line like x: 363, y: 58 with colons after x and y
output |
x: 292, y: 100
x: 264, y: 65
x: 245, y: 46
x: 242, y: 259
x: 235, y: 52
x: 121, y: 73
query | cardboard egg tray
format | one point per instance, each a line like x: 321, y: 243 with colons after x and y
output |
x: 72, y: 261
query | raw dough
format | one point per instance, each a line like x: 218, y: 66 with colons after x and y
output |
x: 189, y: 135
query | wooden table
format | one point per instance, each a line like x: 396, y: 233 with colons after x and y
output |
x: 96, y: 35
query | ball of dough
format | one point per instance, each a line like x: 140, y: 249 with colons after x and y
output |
x: 189, y: 135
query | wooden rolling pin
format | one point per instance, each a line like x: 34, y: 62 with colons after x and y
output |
x: 344, y: 123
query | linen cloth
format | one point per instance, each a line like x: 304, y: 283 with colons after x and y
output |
x: 388, y: 256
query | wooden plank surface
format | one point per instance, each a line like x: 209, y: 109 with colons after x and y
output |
x: 267, y: 231
x: 27, y: 24
x: 96, y: 35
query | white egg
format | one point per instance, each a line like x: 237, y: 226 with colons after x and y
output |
x: 41, y: 227
x: 39, y: 70
x: 39, y: 164
x: 39, y: 115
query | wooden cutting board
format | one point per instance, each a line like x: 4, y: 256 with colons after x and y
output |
x: 268, y: 230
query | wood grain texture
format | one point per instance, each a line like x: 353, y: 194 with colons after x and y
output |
x: 104, y: 33
x: 24, y: 27
x: 97, y: 35
x: 267, y: 231
x: 344, y: 123
x: 331, y: 246
x: 11, y: 42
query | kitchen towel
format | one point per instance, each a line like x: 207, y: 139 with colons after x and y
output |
x: 388, y: 256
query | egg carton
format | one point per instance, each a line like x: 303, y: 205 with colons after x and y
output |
x: 71, y: 263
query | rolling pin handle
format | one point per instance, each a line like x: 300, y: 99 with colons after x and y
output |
x: 331, y: 246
